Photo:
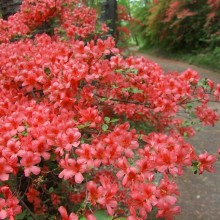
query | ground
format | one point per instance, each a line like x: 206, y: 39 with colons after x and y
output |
x: 199, y: 194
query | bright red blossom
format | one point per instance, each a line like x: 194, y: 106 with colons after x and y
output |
x: 72, y: 168
x: 206, y: 162
x: 65, y: 216
x: 29, y: 160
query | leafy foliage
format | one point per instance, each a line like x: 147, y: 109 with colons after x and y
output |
x: 185, y: 25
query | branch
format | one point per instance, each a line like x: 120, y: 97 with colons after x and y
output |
x: 34, y: 90
x: 123, y: 101
x: 26, y: 207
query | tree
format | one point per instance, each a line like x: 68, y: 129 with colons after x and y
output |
x: 109, y: 15
x: 9, y: 7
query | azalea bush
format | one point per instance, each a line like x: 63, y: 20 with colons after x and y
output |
x: 181, y: 24
x: 83, y: 129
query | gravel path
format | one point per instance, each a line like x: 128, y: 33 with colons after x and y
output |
x: 199, y: 194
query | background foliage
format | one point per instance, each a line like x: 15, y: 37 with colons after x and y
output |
x: 182, y: 26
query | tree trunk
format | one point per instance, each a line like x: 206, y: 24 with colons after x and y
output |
x: 9, y: 7
x: 109, y: 15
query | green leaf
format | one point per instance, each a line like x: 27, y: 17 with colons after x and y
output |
x: 51, y: 189
x: 26, y: 125
x: 136, y: 90
x: 87, y: 124
x: 134, y: 71
x: 192, y: 114
x: 119, y: 71
x: 104, y: 127
x: 21, y: 216
x: 128, y: 70
x: 15, y: 137
x: 24, y: 133
x: 187, y: 123
x: 64, y: 4
x: 132, y: 90
x: 107, y: 119
x: 185, y: 134
x: 47, y: 71
x: 114, y: 86
x: 101, y: 215
x: 64, y: 38
x: 203, y: 83
x: 189, y: 105
x: 61, y: 31
x: 126, y: 89
x: 103, y: 99
x: 114, y: 120
x: 195, y: 170
x: 195, y: 167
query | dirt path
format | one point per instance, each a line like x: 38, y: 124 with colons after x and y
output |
x: 199, y: 194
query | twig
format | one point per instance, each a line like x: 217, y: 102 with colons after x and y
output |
x: 33, y: 91
x: 30, y: 212
x: 123, y: 101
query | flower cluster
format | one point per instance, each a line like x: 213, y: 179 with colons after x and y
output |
x: 84, y: 129
x: 68, y: 19
x: 9, y: 204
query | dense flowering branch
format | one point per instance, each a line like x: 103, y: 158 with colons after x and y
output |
x: 98, y: 130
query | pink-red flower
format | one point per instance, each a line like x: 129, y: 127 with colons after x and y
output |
x: 72, y: 168
x: 206, y: 162
x: 28, y: 161
x: 65, y: 216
